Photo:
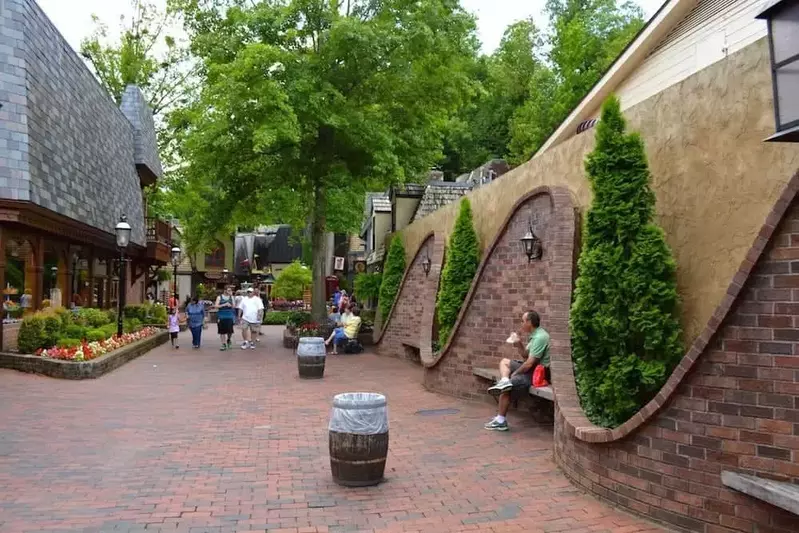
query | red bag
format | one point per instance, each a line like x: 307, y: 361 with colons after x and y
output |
x: 540, y: 376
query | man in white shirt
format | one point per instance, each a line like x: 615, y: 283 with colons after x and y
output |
x: 251, y: 309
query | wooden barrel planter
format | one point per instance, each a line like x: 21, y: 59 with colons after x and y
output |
x: 290, y: 338
x: 311, y: 355
x: 358, y: 439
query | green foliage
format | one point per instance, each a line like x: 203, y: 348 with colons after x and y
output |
x: 367, y: 285
x: 292, y: 282
x: 65, y: 316
x: 131, y: 325
x: 206, y: 293
x: 31, y: 335
x: 147, y: 313
x: 298, y: 318
x: 52, y: 329
x: 305, y: 106
x: 94, y: 318
x: 109, y: 330
x: 624, y: 319
x: 164, y: 275
x: 463, y: 259
x: 73, y: 331
x: 66, y: 342
x: 276, y: 318
x: 95, y: 335
x: 393, y: 270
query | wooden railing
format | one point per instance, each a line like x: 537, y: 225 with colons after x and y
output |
x: 159, y: 231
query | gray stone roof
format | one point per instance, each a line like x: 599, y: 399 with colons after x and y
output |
x: 381, y: 204
x: 375, y: 202
x: 137, y: 111
x: 437, y: 194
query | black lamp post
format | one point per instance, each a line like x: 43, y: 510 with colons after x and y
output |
x: 782, y: 17
x: 175, y: 263
x: 122, y: 231
x: 532, y: 244
x: 426, y: 263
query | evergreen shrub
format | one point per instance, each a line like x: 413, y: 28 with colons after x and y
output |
x: 96, y: 335
x: 460, y: 267
x: 624, y: 319
x: 393, y: 270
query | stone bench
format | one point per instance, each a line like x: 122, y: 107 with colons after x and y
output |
x: 779, y: 494
x: 493, y: 375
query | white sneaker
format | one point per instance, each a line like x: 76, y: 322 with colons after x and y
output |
x: 502, y: 385
x: 252, y: 346
x: 244, y: 345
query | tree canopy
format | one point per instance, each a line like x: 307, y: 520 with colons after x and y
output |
x: 292, y: 282
x: 306, y: 105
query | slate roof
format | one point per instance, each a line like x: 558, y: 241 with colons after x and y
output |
x: 437, y: 194
x: 377, y: 201
x: 273, y: 244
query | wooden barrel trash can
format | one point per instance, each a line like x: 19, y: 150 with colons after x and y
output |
x: 358, y: 438
x: 311, y: 357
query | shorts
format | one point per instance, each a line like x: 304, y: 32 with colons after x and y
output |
x: 340, y: 337
x: 225, y: 326
x: 522, y: 382
x: 173, y: 334
x: 252, y: 326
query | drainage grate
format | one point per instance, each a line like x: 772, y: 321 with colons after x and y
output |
x: 436, y: 412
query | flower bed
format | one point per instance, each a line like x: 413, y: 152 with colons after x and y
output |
x: 86, y: 351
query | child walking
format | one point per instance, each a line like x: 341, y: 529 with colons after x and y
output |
x: 173, y: 322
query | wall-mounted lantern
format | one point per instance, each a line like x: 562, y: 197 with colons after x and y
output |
x: 532, y: 244
x: 426, y: 263
x: 782, y: 17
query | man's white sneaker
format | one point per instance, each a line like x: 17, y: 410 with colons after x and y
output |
x: 501, y: 386
x: 244, y: 345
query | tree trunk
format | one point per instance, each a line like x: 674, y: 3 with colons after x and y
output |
x: 318, y: 220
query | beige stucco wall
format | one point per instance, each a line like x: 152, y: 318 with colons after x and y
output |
x: 714, y: 177
x: 382, y: 227
x: 404, y: 210
x: 199, y: 257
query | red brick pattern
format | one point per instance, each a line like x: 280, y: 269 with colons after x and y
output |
x: 737, y: 408
x: 401, y: 336
x: 209, y: 441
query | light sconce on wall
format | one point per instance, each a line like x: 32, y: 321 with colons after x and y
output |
x: 426, y: 263
x: 782, y: 17
x: 532, y: 244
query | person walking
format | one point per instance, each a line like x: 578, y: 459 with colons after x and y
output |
x: 225, y: 317
x: 196, y: 313
x: 252, y: 310
x: 173, y: 323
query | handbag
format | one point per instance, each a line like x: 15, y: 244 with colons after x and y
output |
x: 540, y: 376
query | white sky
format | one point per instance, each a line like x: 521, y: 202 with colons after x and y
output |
x: 73, y: 17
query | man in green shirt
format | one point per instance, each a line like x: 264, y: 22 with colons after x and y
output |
x: 516, y: 376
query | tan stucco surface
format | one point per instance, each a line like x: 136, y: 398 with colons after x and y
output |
x: 714, y: 177
x: 404, y: 211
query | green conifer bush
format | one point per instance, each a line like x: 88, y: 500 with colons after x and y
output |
x: 393, y: 270
x: 463, y: 259
x: 624, y: 319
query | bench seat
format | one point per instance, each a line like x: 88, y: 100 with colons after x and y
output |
x: 493, y: 375
x: 779, y: 494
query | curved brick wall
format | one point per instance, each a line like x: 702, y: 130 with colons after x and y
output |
x: 400, y: 336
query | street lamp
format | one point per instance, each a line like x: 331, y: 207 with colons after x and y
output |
x: 782, y: 17
x: 175, y: 263
x: 532, y: 244
x: 122, y: 231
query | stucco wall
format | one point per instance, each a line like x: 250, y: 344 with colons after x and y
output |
x: 68, y: 148
x: 714, y: 177
x: 404, y: 208
x: 381, y: 227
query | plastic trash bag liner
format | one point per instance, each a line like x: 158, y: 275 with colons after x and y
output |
x: 361, y: 413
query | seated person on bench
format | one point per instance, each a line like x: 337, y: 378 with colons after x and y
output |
x: 350, y: 326
x: 516, y: 376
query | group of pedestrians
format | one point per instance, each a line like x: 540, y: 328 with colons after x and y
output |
x: 246, y: 308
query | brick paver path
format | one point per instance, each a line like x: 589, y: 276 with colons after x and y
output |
x: 209, y: 441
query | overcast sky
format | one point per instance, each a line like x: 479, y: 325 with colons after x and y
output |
x: 73, y: 17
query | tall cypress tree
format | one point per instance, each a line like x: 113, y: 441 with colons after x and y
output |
x: 462, y: 261
x: 393, y: 270
x: 624, y: 319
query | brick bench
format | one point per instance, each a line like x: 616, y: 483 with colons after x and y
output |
x: 493, y: 375
x: 779, y: 494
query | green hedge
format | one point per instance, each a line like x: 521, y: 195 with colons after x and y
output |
x: 460, y: 267
x: 148, y: 313
x: 95, y: 335
x: 624, y: 319
x: 393, y: 270
x: 276, y: 318
x: 31, y: 335
x: 68, y: 343
x: 367, y: 286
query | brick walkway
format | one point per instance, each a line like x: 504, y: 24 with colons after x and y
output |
x: 211, y: 441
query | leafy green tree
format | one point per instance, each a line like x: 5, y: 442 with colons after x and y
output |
x: 586, y: 37
x: 367, y: 286
x: 460, y: 267
x: 393, y: 270
x: 624, y: 319
x: 292, y: 282
x: 148, y: 55
x: 307, y: 104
